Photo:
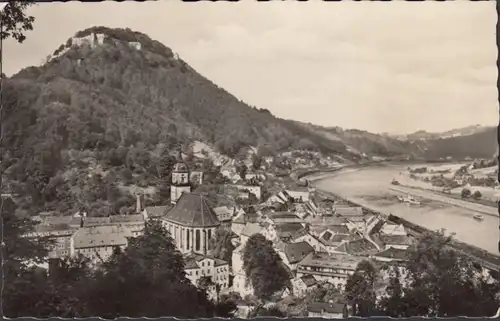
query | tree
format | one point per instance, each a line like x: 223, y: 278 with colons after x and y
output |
x: 392, y: 303
x: 272, y: 311
x: 325, y: 292
x: 263, y: 267
x: 256, y: 161
x: 435, y: 278
x: 147, y: 280
x: 477, y: 195
x: 221, y: 245
x: 19, y: 259
x: 15, y: 21
x: 465, y: 193
x: 360, y: 289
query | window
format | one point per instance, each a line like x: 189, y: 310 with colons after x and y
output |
x: 188, y: 240
x: 197, y: 240
x: 209, y: 234
x: 203, y: 264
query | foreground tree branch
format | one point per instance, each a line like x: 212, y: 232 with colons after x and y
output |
x: 14, y: 20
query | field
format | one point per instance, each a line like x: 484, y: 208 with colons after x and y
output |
x: 489, y: 195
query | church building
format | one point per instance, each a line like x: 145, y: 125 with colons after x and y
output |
x: 191, y: 221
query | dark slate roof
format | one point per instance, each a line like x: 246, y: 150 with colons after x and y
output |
x: 192, y: 210
x: 361, y: 246
x: 320, y: 307
x: 309, y: 280
x: 393, y: 253
x: 395, y: 239
x: 191, y: 260
x: 296, y: 252
x: 289, y: 227
x: 157, y: 211
x: 135, y: 218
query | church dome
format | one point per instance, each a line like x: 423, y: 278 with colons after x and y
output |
x: 180, y: 167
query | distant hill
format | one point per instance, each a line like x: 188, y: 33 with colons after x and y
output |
x: 423, y: 135
x: 110, y: 105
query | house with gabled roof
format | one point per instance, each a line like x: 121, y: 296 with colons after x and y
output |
x: 293, y: 253
x: 303, y: 285
x: 97, y: 243
x: 199, y: 266
x: 391, y: 255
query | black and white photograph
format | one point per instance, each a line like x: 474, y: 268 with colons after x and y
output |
x: 247, y: 159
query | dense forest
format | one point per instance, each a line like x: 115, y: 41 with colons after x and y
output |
x: 95, y: 119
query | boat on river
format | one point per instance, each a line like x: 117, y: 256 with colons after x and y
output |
x: 478, y: 217
x: 408, y: 199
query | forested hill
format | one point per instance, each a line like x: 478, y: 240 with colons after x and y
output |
x: 115, y: 101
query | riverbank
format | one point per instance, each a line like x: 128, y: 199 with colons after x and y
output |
x: 454, y: 196
x: 481, y: 256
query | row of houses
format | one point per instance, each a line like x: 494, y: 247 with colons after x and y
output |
x: 324, y: 247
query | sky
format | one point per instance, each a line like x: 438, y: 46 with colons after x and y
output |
x: 392, y: 67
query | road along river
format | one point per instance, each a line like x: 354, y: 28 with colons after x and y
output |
x: 371, y: 187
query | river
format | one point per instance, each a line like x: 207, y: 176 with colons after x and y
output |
x: 370, y: 187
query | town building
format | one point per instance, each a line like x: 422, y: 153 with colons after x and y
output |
x: 241, y: 285
x: 327, y: 310
x: 250, y: 189
x: 198, y: 266
x: 225, y: 215
x: 360, y: 247
x: 332, y: 268
x: 396, y: 241
x: 191, y: 223
x: 303, y: 285
x: 98, y: 243
x: 156, y: 212
x: 293, y: 253
x: 299, y: 195
x: 135, y: 223
x: 391, y: 255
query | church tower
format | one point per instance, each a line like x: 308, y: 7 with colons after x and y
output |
x: 180, y: 180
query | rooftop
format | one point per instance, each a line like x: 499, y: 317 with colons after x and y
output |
x: 223, y: 210
x: 393, y: 253
x: 326, y: 220
x: 337, y: 229
x: 192, y: 260
x: 325, y: 307
x: 309, y: 280
x: 192, y: 210
x: 136, y: 218
x: 326, y: 260
x: 296, y: 252
x: 54, y: 228
x: 358, y: 247
x: 157, y: 211
x: 344, y: 210
x: 101, y: 236
x: 335, y: 240
x: 395, y: 239
x: 251, y: 229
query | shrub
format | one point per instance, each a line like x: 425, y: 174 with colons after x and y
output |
x: 477, y: 195
x: 466, y: 193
